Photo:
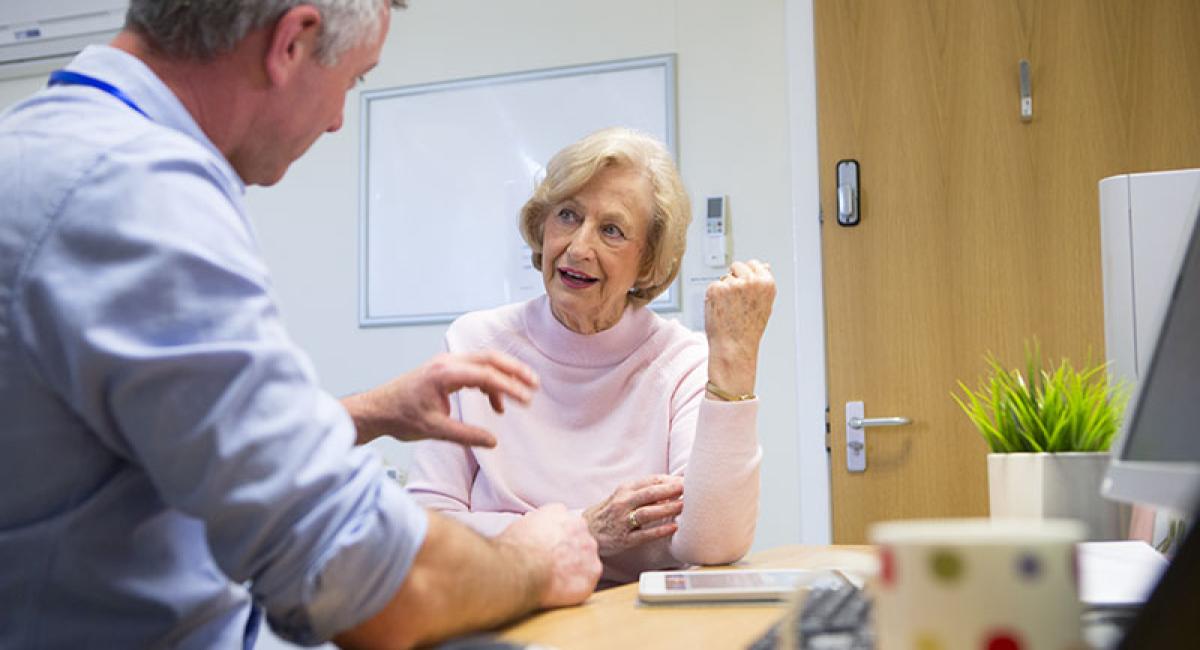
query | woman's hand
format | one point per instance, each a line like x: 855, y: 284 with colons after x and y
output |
x: 638, y: 511
x: 736, y: 309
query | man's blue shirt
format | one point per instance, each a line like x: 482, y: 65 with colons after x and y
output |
x: 164, y: 442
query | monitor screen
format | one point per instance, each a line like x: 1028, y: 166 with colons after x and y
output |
x: 1156, y: 460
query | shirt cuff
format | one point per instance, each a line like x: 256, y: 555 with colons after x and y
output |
x: 362, y: 570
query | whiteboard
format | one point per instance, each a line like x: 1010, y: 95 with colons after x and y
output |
x: 446, y: 167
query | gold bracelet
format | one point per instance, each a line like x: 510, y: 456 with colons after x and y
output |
x: 728, y: 397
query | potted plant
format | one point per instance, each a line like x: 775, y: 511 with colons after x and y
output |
x: 1049, y: 434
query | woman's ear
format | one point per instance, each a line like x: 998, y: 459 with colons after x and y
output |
x: 292, y: 41
x: 646, y: 274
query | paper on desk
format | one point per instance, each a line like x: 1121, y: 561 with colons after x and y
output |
x: 1118, y: 573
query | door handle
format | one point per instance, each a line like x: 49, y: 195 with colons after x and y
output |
x: 859, y: 423
x: 856, y: 439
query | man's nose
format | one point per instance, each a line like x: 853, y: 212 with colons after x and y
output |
x: 337, y: 124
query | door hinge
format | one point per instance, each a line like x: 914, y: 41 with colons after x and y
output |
x: 828, y: 435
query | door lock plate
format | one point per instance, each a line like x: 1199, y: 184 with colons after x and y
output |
x: 848, y: 195
x: 856, y: 440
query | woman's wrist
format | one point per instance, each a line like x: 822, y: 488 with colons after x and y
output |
x: 731, y: 378
x: 719, y: 393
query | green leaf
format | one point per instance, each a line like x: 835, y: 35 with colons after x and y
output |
x: 1041, y: 410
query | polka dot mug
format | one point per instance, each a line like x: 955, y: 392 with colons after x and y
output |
x: 977, y: 584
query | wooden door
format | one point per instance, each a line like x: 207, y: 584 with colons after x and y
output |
x: 979, y: 231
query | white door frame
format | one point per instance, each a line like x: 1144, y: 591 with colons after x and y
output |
x: 811, y: 396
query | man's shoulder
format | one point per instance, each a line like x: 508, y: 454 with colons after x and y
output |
x: 101, y: 177
x: 55, y: 138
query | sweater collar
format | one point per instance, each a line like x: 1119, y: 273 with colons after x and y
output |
x: 601, y: 349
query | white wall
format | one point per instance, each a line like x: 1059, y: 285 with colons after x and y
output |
x: 733, y: 139
x: 12, y: 90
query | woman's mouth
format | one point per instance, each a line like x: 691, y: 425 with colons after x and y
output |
x: 575, y: 279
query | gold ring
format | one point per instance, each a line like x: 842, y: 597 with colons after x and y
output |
x: 632, y: 519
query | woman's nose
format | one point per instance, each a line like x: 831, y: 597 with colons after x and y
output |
x: 581, y: 244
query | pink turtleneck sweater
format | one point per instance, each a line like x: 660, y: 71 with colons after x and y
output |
x: 613, y: 406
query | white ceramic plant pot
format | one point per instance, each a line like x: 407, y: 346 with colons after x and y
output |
x: 1059, y: 485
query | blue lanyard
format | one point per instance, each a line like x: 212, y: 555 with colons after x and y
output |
x: 68, y: 78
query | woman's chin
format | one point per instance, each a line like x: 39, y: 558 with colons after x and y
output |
x: 574, y: 299
x: 566, y: 308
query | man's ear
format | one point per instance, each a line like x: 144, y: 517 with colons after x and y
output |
x: 291, y: 41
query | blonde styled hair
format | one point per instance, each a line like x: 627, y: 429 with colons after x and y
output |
x: 577, y: 164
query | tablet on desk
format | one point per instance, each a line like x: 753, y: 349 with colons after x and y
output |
x: 730, y: 585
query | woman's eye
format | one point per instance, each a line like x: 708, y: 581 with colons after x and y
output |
x: 567, y: 215
x: 612, y: 231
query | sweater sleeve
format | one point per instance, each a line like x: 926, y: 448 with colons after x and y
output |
x: 714, y: 446
x: 720, y: 490
x: 440, y: 479
x: 442, y: 476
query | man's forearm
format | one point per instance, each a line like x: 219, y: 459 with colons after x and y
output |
x: 459, y: 582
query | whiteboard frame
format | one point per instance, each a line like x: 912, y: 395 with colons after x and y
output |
x: 665, y: 61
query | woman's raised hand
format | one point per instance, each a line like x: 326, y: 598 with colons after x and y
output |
x: 736, y: 309
x: 638, y: 511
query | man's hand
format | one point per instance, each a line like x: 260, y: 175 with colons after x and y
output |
x: 416, y: 405
x: 552, y: 535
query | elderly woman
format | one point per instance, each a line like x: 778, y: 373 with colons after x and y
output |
x: 640, y: 425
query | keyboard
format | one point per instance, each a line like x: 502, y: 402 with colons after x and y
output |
x: 834, y: 616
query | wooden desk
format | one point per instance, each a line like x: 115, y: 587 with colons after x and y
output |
x: 614, y: 618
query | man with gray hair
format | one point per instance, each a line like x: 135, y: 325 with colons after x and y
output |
x: 172, y: 467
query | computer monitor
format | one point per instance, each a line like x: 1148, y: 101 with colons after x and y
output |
x: 1156, y: 457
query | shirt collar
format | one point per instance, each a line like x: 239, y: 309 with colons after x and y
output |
x: 139, y: 83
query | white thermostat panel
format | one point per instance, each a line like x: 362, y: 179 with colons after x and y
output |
x: 716, y: 227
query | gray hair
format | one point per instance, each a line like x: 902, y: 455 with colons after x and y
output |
x: 203, y: 29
